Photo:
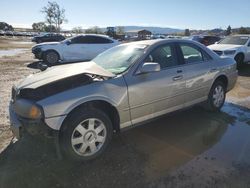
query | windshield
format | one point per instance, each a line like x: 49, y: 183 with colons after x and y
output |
x: 237, y: 40
x: 119, y: 58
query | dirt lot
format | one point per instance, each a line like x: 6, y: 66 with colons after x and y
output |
x: 192, y: 148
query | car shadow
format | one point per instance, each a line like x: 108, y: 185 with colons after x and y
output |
x: 35, y: 64
x: 133, y: 158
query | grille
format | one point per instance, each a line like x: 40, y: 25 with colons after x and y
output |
x: 218, y: 52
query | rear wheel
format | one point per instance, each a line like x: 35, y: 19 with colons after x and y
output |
x: 87, y: 134
x: 239, y: 58
x: 51, y: 57
x: 216, y: 97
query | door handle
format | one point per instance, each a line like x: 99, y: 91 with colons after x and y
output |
x: 177, y: 78
x: 179, y: 71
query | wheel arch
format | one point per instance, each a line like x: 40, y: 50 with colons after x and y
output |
x: 110, y: 110
x: 223, y: 78
x: 240, y: 53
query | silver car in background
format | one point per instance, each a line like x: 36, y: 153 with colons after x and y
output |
x: 82, y: 104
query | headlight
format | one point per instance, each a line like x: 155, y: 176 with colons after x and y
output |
x: 229, y: 52
x: 27, y: 109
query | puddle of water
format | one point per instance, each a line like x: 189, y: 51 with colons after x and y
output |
x: 11, y: 52
x: 194, y: 139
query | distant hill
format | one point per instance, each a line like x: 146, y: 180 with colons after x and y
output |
x: 154, y: 30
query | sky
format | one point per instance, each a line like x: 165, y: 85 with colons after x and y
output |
x: 181, y: 14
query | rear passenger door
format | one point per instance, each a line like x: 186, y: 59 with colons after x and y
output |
x: 97, y: 45
x: 76, y: 50
x: 198, y: 65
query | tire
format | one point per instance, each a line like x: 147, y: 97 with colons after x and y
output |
x: 50, y: 57
x: 86, y: 134
x: 216, y: 97
x: 239, y: 58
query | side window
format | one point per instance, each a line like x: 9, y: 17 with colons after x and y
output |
x: 90, y: 40
x: 97, y: 40
x: 164, y: 55
x: 191, y: 54
x: 78, y: 40
x: 249, y: 44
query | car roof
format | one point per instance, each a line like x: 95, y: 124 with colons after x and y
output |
x: 95, y: 35
x: 155, y: 41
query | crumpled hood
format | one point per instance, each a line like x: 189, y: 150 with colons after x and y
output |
x: 55, y: 73
x: 223, y: 47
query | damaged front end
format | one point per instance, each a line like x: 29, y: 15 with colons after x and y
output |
x: 55, y: 87
x: 24, y: 103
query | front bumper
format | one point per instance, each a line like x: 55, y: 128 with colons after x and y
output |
x: 19, y: 126
x: 37, y: 53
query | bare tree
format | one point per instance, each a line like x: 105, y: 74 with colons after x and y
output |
x: 54, y: 15
x: 39, y: 26
x: 59, y: 16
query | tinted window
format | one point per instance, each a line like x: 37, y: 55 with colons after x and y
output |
x: 237, y: 40
x: 163, y: 55
x: 97, y: 40
x: 90, y: 40
x: 191, y: 54
x: 208, y: 40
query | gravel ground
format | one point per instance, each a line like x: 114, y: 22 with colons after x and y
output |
x: 192, y: 148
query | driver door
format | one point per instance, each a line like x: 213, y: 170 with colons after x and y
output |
x: 156, y: 93
x: 77, y: 50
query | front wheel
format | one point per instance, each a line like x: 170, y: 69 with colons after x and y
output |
x: 239, y: 58
x: 216, y: 97
x: 87, y: 134
x: 51, y: 57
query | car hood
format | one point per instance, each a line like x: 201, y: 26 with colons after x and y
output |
x: 46, y: 43
x: 61, y: 72
x: 223, y: 47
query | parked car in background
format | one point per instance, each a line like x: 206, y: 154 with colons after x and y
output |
x: 236, y: 47
x: 84, y: 103
x: 78, y: 48
x: 208, y: 40
x: 48, y: 37
x: 205, y: 39
x: 2, y: 33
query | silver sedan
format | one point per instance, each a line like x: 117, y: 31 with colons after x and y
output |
x: 83, y: 104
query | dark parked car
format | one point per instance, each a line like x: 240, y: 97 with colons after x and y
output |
x: 49, y: 37
x: 206, y: 39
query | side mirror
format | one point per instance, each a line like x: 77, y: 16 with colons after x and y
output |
x: 148, y: 67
